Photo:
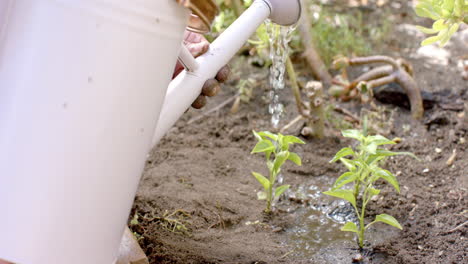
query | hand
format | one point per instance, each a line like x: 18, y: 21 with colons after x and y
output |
x: 198, y: 45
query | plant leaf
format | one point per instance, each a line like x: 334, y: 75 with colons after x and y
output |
x: 262, y: 180
x: 427, y: 30
x: 280, y: 159
x: 388, y: 219
x: 295, y: 158
x: 350, y: 227
x: 281, y: 189
x: 264, y: 145
x: 292, y: 139
x: 374, y: 191
x: 430, y: 40
x: 267, y: 134
x: 349, y: 164
x: 353, y: 133
x: 345, y: 178
x: 261, y: 195
x: 257, y: 136
x: 380, y: 140
x: 370, y: 148
x: 343, y: 194
x: 389, y: 177
x: 342, y: 153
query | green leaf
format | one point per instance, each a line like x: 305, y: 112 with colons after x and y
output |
x: 373, y: 191
x: 389, y: 177
x: 343, y: 194
x: 257, y: 136
x: 267, y: 134
x: 295, y: 158
x: 388, y: 219
x: 426, y: 10
x: 263, y: 146
x: 261, y: 195
x: 370, y: 148
x: 345, y: 178
x: 439, y: 25
x: 353, y: 133
x: 349, y: 164
x: 350, y: 227
x: 380, y: 140
x: 342, y: 153
x: 427, y: 30
x: 292, y: 140
x: 381, y: 153
x: 430, y: 40
x: 262, y: 180
x: 281, y: 189
x: 279, y: 160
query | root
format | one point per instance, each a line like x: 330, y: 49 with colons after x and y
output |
x: 398, y: 71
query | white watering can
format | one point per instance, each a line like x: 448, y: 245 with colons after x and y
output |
x: 82, y: 86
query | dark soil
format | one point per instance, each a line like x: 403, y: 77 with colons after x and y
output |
x: 200, y: 176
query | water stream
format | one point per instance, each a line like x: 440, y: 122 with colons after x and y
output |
x: 279, y: 38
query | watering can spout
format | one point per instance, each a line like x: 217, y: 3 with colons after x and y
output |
x: 185, y: 88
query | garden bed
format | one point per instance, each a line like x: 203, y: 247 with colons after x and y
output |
x: 197, y: 201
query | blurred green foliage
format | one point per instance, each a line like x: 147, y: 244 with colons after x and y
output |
x: 346, y: 34
x: 448, y: 16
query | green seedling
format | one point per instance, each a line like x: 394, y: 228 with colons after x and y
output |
x: 276, y: 149
x: 448, y: 16
x: 363, y: 171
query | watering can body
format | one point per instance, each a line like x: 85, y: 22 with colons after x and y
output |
x: 85, y: 92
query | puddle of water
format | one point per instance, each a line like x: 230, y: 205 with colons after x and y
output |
x: 316, y: 233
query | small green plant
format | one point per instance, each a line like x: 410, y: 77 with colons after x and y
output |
x: 448, y: 16
x: 364, y: 171
x: 276, y: 149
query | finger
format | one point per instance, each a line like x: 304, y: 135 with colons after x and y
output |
x: 197, y: 49
x: 199, y: 102
x: 211, y: 88
x: 223, y: 74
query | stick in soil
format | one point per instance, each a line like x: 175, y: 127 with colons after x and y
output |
x: 457, y: 228
x: 315, y: 62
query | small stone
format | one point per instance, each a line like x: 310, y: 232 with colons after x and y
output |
x: 358, y: 258
x: 462, y: 140
x: 438, y: 150
x: 441, y: 253
x: 431, y: 185
x: 426, y: 170
x: 420, y: 247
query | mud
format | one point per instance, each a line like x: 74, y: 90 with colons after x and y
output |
x: 197, y: 199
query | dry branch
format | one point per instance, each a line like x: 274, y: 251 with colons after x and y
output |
x: 397, y: 71
x: 315, y: 62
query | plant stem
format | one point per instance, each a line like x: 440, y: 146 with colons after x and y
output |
x: 270, y: 193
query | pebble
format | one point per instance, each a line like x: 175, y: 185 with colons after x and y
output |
x: 426, y: 170
x: 358, y: 258
x: 438, y: 150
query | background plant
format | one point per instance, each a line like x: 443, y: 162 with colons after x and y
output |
x: 448, y: 16
x: 276, y: 150
x: 363, y: 172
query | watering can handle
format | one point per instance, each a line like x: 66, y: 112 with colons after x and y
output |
x: 187, y: 60
x: 187, y: 86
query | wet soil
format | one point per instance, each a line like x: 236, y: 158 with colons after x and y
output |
x: 197, y: 202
